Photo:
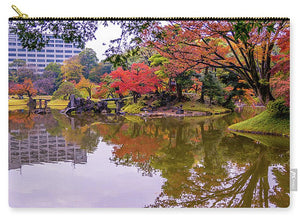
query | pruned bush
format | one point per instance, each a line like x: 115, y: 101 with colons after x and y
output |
x: 278, y: 108
x: 65, y: 90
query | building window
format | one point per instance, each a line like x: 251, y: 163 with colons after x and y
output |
x: 21, y: 55
x: 50, y: 45
x: 59, y: 51
x: 31, y: 60
x: 30, y: 55
x: 12, y: 54
x: 77, y: 52
x: 49, y: 50
x: 12, y: 44
x: 68, y: 56
x: 50, y: 60
x: 40, y: 60
x: 19, y: 44
x: 68, y: 51
x: 41, y: 65
x: 50, y: 56
x: 21, y: 49
x: 59, y: 45
x: 11, y: 59
x: 40, y: 55
x: 31, y: 65
x: 59, y: 56
x: 59, y: 61
x: 43, y: 50
x: 11, y: 49
x: 59, y: 41
x: 11, y: 39
x: 68, y: 46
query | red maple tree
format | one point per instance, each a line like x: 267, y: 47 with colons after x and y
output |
x: 140, y: 79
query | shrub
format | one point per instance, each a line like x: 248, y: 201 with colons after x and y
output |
x: 278, y: 108
x: 65, y: 90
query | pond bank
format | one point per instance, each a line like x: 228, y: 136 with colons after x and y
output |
x: 263, y: 124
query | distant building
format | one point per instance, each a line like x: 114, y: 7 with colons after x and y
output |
x: 56, y: 51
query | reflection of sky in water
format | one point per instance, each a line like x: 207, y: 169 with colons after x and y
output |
x: 98, y: 183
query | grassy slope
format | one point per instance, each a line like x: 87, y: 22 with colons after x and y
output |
x: 197, y: 106
x: 264, y: 122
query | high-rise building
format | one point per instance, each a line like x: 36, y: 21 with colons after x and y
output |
x: 56, y: 51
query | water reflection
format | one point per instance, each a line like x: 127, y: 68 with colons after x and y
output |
x: 201, y: 162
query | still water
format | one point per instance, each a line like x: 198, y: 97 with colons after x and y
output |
x: 106, y: 161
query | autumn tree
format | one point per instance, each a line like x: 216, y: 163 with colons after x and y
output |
x: 24, y: 88
x: 244, y: 47
x: 140, y: 79
x: 104, y: 90
x: 169, y: 78
x: 86, y: 85
x: 72, y: 69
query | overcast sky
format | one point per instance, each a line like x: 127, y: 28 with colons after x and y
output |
x: 103, y: 35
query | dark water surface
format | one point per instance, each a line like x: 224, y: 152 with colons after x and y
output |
x: 106, y: 161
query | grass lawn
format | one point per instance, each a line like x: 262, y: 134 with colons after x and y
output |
x: 265, y: 123
x: 197, y: 106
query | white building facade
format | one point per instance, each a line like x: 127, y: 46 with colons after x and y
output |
x: 55, y: 52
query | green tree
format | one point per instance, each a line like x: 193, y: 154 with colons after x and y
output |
x: 88, y: 59
x: 99, y: 70
x: 53, y: 70
x: 31, y: 32
x: 65, y: 90
x: 211, y: 86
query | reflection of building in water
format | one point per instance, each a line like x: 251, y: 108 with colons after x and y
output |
x: 41, y: 147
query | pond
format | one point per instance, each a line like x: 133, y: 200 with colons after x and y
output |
x: 106, y: 161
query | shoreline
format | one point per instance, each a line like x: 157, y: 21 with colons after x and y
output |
x: 259, y: 132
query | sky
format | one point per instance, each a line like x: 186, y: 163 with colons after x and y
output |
x: 103, y: 35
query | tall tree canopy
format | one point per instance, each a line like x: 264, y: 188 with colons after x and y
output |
x: 245, y: 48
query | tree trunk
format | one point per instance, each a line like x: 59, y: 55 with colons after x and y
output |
x: 179, y: 91
x: 134, y: 97
x: 201, y: 100
x: 265, y: 95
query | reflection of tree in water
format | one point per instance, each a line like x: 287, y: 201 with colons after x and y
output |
x: 204, y: 166
x: 247, y: 185
x: 79, y: 129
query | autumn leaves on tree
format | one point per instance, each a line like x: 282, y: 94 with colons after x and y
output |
x: 249, y: 49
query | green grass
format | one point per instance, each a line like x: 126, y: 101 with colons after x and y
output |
x: 58, y: 102
x: 265, y: 123
x: 133, y: 108
x: 17, y: 102
x: 197, y: 106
